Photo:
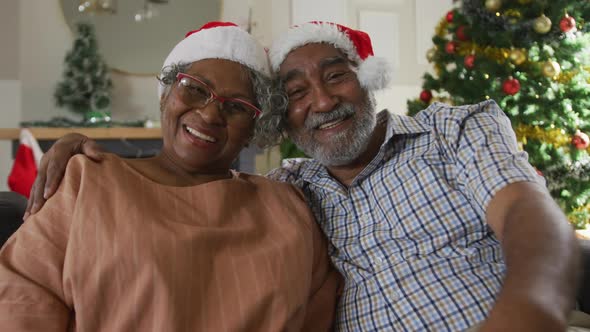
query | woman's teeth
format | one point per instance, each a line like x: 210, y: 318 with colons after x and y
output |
x: 200, y: 135
x: 331, y: 124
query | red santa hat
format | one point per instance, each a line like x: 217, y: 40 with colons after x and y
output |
x: 374, y: 73
x: 26, y: 162
x: 219, y: 40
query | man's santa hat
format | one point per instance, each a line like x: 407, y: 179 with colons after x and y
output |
x: 374, y: 73
x: 26, y: 162
x: 219, y: 40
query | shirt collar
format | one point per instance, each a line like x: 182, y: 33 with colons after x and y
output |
x: 402, y: 125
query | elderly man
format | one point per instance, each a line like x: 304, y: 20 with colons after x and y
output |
x: 437, y: 222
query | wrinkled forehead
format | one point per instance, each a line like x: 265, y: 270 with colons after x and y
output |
x: 312, y: 56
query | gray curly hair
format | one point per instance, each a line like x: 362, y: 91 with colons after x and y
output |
x: 270, y: 98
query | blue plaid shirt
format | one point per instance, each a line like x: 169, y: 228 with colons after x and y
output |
x: 409, y: 234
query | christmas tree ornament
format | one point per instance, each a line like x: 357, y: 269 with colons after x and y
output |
x: 426, y: 96
x: 580, y: 141
x: 96, y: 117
x: 551, y: 68
x: 493, y: 5
x: 462, y: 34
x: 511, y: 86
x: 542, y: 24
x: 567, y: 24
x: 513, y: 15
x: 469, y: 61
x: 517, y: 56
x: 431, y: 54
x: 451, y: 47
x: 450, y: 16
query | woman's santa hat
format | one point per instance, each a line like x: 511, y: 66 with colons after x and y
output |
x: 374, y: 73
x: 219, y: 40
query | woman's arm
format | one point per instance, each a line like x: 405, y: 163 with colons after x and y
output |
x: 32, y: 292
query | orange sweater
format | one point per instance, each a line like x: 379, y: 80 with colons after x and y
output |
x: 115, y: 251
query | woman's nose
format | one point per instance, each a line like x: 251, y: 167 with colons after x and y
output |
x: 212, y: 113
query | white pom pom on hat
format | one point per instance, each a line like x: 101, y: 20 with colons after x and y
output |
x: 219, y: 40
x: 374, y: 73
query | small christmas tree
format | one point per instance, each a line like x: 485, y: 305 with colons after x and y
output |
x: 533, y: 58
x: 86, y: 84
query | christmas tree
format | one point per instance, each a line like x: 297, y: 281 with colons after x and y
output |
x: 533, y: 58
x: 85, y: 88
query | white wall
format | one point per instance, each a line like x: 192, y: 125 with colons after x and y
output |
x: 10, y: 115
x: 10, y: 109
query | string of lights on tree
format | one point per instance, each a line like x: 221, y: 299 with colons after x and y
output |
x: 533, y: 58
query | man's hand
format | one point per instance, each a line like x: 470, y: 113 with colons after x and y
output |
x: 53, y: 167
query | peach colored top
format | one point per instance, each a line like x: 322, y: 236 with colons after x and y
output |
x: 115, y: 251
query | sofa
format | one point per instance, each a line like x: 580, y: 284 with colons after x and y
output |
x: 13, y: 205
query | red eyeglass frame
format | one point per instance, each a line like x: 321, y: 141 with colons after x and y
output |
x: 215, y: 96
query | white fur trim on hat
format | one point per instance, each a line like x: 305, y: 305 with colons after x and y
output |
x: 309, y: 33
x: 374, y: 73
x: 223, y: 42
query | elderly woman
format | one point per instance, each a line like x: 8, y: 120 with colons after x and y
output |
x: 177, y: 242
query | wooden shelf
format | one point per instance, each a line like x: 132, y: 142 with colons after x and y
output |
x: 43, y: 133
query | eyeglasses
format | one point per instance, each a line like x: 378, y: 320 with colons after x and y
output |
x: 196, y: 93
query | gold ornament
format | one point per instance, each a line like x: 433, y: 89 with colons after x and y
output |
x: 441, y: 29
x: 493, y: 5
x: 542, y: 24
x: 430, y: 54
x: 517, y: 56
x: 556, y: 137
x: 513, y: 15
x: 551, y: 69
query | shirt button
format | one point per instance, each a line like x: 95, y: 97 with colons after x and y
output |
x: 379, y: 261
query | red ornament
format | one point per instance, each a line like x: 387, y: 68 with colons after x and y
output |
x: 469, y: 61
x: 450, y: 16
x: 451, y: 47
x: 511, y: 86
x: 426, y: 96
x: 462, y: 34
x: 567, y: 23
x: 580, y: 140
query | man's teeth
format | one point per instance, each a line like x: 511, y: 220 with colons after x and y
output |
x: 200, y: 135
x: 331, y: 124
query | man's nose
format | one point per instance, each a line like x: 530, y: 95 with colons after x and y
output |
x: 324, y: 100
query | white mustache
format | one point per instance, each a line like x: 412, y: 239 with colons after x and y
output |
x: 315, y: 120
